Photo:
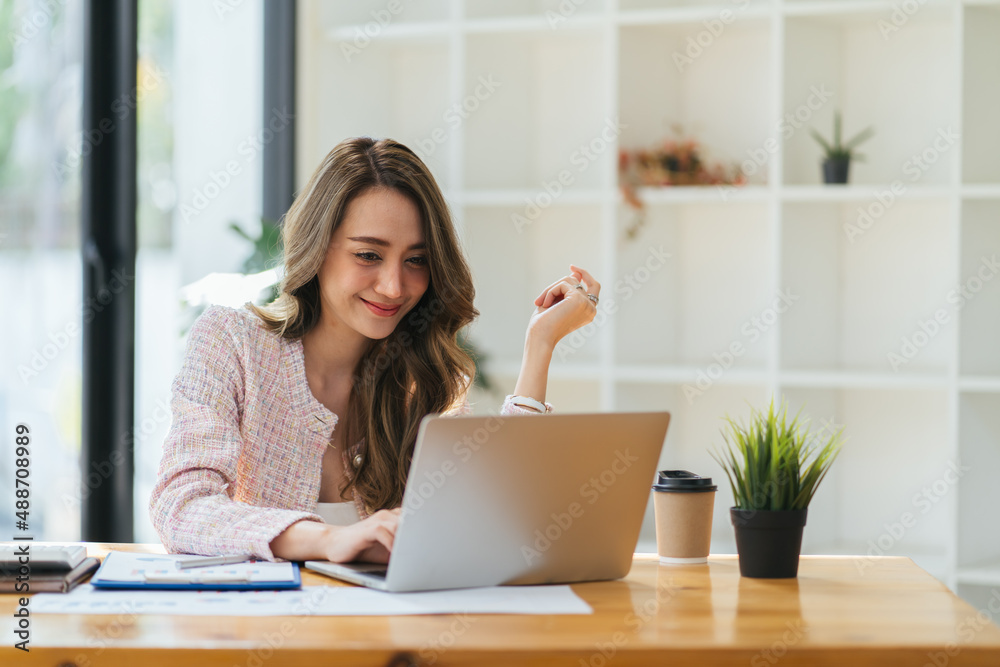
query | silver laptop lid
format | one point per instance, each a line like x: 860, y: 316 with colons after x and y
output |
x: 525, y: 499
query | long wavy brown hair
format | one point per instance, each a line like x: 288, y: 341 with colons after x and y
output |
x: 418, y: 369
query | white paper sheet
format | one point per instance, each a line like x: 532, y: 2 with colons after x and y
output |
x: 132, y: 567
x: 314, y: 601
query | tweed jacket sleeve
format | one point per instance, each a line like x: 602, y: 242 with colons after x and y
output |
x: 192, y: 505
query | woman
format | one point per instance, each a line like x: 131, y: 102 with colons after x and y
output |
x: 308, y: 409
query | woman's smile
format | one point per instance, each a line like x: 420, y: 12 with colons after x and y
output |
x: 382, y: 310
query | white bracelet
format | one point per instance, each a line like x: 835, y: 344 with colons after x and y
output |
x: 528, y: 402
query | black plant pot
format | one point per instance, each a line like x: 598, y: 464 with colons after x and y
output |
x: 768, y: 542
x: 835, y: 170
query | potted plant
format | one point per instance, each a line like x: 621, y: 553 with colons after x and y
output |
x: 774, y: 467
x: 837, y: 155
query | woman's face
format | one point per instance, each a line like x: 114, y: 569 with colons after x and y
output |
x: 376, y: 268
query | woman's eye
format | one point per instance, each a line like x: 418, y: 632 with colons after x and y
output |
x: 367, y: 256
x: 419, y: 260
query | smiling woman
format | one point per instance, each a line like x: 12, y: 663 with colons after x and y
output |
x: 316, y: 399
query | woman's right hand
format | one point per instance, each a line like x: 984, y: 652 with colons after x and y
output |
x: 367, y: 540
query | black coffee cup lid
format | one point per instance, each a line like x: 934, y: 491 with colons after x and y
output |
x: 682, y: 481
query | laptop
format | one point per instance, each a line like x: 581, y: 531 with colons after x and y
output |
x: 523, y: 499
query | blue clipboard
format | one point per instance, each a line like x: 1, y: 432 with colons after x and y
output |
x: 195, y: 580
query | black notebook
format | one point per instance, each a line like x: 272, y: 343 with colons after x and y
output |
x: 48, y: 557
x: 48, y: 580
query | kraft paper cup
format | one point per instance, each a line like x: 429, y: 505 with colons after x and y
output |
x: 683, y: 504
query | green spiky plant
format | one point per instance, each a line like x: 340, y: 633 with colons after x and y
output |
x: 836, y: 150
x: 773, y: 463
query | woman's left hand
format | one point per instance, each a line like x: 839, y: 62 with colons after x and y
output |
x: 563, y: 307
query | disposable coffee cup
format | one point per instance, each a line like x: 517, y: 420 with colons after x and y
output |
x: 683, y: 503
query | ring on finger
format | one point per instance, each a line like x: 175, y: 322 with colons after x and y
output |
x: 594, y: 298
x: 580, y: 287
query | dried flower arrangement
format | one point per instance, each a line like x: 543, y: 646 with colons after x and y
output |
x: 674, y: 162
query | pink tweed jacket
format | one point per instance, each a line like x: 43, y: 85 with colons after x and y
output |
x: 243, y: 456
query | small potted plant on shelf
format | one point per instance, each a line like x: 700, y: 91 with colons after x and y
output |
x: 837, y: 155
x: 774, y: 467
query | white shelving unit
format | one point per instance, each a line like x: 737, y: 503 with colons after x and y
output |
x: 501, y: 97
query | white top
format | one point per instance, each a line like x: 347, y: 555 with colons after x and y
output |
x: 338, y: 514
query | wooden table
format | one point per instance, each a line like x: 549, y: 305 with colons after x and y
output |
x: 840, y: 611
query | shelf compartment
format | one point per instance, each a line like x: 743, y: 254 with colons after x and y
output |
x: 982, y: 574
x: 660, y: 89
x: 686, y: 374
x: 567, y: 395
x: 528, y: 259
x: 526, y: 198
x: 821, y: 379
x: 557, y: 370
x: 976, y: 297
x: 979, y: 453
x: 858, y: 193
x: 981, y: 191
x: 693, y: 307
x: 703, y: 194
x: 656, y: 12
x: 353, y: 40
x: 361, y: 13
x: 539, y: 81
x: 493, y: 11
x: 981, y: 92
x: 408, y: 104
x: 862, y: 291
x: 836, y: 55
x: 981, y: 384
x: 861, y: 500
x: 870, y: 10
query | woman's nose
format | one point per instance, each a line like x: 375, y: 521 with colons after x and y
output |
x: 390, y: 283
